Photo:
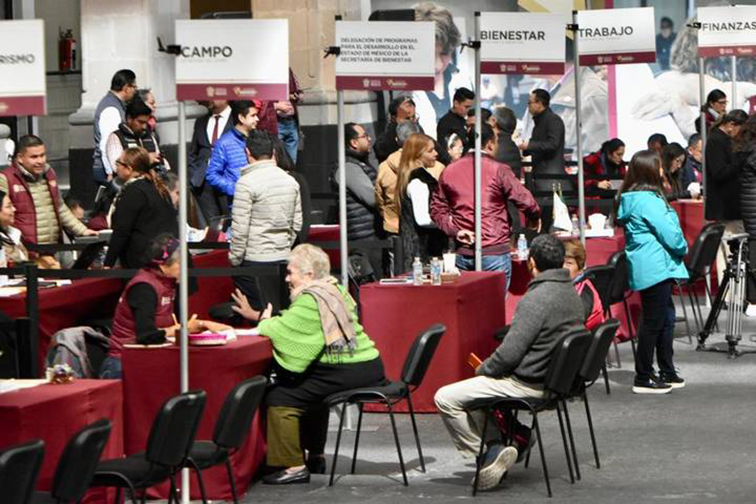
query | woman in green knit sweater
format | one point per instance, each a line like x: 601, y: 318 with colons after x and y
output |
x: 319, y: 348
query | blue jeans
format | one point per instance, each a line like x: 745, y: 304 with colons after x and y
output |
x: 288, y: 132
x: 501, y: 262
x: 111, y: 369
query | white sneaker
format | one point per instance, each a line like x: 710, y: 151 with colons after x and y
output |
x: 751, y: 310
x: 497, y: 462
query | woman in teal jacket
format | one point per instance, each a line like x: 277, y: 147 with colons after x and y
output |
x: 655, y: 247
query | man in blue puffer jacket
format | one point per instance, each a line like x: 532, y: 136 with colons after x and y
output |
x: 230, y: 152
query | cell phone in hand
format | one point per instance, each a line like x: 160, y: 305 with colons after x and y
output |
x: 474, y: 361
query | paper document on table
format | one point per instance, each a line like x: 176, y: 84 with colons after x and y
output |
x: 13, y: 385
x: 254, y: 331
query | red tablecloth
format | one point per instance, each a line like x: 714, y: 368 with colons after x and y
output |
x: 471, y: 308
x: 691, y: 214
x: 151, y: 376
x: 94, y: 298
x: 54, y: 413
x: 598, y: 252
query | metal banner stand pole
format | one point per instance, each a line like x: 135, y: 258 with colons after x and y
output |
x: 734, y: 74
x: 579, y: 126
x: 183, y: 273
x: 478, y: 150
x: 344, y: 253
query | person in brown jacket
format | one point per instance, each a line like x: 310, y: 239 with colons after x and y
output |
x: 385, y: 184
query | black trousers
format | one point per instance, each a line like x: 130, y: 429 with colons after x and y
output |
x: 212, y: 205
x: 657, y: 331
x: 262, y: 289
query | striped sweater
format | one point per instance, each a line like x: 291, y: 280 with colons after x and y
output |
x: 297, y: 336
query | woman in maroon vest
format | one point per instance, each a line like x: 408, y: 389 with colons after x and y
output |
x: 144, y: 314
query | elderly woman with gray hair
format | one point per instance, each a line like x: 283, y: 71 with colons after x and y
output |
x: 319, y: 348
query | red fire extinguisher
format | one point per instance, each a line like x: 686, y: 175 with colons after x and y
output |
x: 67, y: 51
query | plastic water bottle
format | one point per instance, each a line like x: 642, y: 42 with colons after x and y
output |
x: 435, y: 271
x: 575, y: 225
x: 417, y: 271
x: 522, y: 248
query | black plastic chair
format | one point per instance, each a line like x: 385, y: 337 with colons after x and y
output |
x: 602, y: 278
x: 77, y: 464
x: 19, y: 468
x: 566, y: 361
x: 589, y: 372
x: 702, y: 255
x: 231, y: 429
x: 171, y: 438
x: 415, y: 365
x: 619, y: 294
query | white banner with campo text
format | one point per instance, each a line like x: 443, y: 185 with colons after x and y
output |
x: 23, y: 85
x: 727, y: 31
x: 616, y: 36
x: 232, y: 59
x: 388, y: 55
x: 522, y: 43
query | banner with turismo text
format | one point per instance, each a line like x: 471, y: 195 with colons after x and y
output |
x: 23, y: 85
x: 232, y: 59
x: 390, y: 55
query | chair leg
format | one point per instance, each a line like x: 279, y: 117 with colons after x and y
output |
x: 532, y: 428
x: 357, y: 440
x: 414, y: 429
x: 231, y: 482
x: 479, y: 460
x: 617, y: 355
x: 685, y: 312
x: 606, y: 379
x: 173, y: 493
x: 572, y: 439
x: 564, y: 442
x: 198, y: 471
x: 543, y: 455
x: 398, y: 446
x: 590, y: 429
x: 338, y: 443
x: 118, y: 495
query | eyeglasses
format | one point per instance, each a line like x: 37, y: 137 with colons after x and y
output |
x: 121, y: 163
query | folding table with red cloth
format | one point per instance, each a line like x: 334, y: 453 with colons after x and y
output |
x: 152, y: 375
x: 471, y: 308
x: 54, y: 413
x: 96, y: 298
x: 598, y: 252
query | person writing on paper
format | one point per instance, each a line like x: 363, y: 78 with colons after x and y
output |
x: 677, y: 183
x: 144, y: 314
x: 604, y: 165
x: 11, y: 248
x: 414, y: 186
x: 549, y: 312
x: 319, y: 348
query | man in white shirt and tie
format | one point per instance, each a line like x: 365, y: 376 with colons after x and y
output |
x: 207, y: 130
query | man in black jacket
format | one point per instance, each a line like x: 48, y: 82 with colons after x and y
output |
x: 455, y: 121
x: 723, y: 181
x: 546, y: 148
x: 207, y: 130
x: 549, y: 311
x: 401, y: 109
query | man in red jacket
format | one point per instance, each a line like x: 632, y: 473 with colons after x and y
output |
x: 453, y: 207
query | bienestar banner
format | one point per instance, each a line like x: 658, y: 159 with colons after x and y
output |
x: 727, y: 31
x: 522, y: 43
x: 616, y: 36
x: 385, y: 55
x: 232, y: 59
x: 23, y: 86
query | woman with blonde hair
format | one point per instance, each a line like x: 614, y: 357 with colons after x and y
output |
x: 414, y: 186
x: 143, y: 210
x: 319, y: 349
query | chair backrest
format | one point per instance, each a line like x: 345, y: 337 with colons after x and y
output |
x: 566, y: 360
x: 621, y: 282
x: 175, y: 428
x: 78, y: 462
x: 704, y: 250
x: 600, y: 345
x: 237, y: 412
x: 420, y: 355
x: 19, y: 467
x: 602, y: 278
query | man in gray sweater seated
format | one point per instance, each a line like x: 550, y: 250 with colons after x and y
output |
x: 549, y: 311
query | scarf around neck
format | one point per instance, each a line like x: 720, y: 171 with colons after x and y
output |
x: 335, y: 318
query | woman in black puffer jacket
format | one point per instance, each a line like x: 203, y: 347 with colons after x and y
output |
x: 745, y: 154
